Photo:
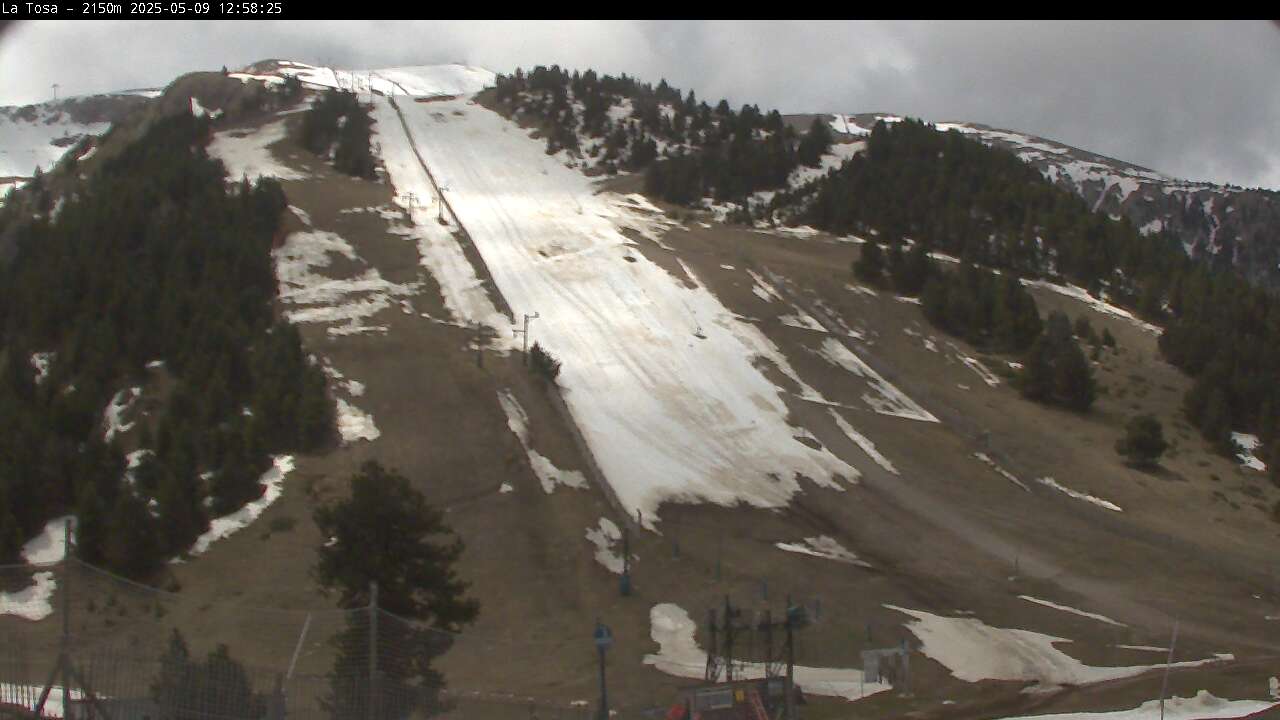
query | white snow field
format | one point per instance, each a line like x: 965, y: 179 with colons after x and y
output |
x: 705, y: 421
x: 29, y: 144
x: 417, y: 80
x: 464, y: 296
x: 974, y: 651
x: 679, y: 655
x: 1204, y: 706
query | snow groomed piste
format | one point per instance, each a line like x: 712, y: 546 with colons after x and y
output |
x: 669, y: 415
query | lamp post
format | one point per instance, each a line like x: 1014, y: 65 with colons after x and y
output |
x: 604, y: 639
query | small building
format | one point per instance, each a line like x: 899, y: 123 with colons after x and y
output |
x: 761, y: 699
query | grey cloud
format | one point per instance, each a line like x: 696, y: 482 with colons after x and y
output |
x: 1198, y: 100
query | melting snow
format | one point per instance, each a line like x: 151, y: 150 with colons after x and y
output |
x: 273, y: 485
x: 1004, y: 473
x: 350, y: 301
x: 41, y: 361
x: 974, y: 651
x: 1248, y: 443
x: 890, y: 400
x: 604, y: 538
x: 246, y: 153
x: 1050, y: 482
x: 863, y: 442
x: 112, y: 422
x: 636, y: 380
x: 1079, y: 293
x: 823, y: 546
x: 548, y: 474
x: 1204, y: 706
x: 679, y: 655
x: 355, y: 424
x: 1064, y: 608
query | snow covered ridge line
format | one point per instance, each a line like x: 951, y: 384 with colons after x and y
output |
x: 419, y: 80
x: 679, y: 655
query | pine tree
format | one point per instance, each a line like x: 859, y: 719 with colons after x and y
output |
x: 387, y: 533
x: 131, y: 547
x: 869, y: 267
x: 1144, y: 442
x: 815, y: 143
x: 1073, y: 378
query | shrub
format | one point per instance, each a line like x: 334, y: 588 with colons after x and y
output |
x: 1144, y: 442
x: 543, y: 364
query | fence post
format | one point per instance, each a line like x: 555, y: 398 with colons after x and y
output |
x: 66, y: 615
x: 373, y: 650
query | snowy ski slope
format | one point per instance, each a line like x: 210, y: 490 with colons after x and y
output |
x: 669, y: 415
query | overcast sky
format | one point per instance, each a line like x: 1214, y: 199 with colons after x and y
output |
x: 1199, y: 100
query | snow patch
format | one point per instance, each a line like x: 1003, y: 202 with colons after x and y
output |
x: 974, y: 651
x: 1050, y: 482
x: 355, y: 424
x: 1001, y: 471
x: 112, y: 416
x: 863, y: 442
x: 1204, y: 706
x: 889, y: 400
x: 246, y: 153
x: 1247, y: 444
x: 548, y: 474
x: 1074, y: 611
x: 679, y: 655
x: 273, y: 485
x: 605, y: 537
x: 41, y: 362
x: 823, y: 546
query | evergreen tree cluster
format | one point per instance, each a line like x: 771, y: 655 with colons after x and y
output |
x: 190, y: 689
x: 154, y: 257
x: 690, y: 149
x: 984, y: 205
x: 989, y: 311
x: 1055, y: 369
x: 337, y: 122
